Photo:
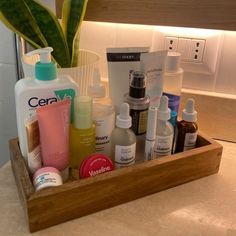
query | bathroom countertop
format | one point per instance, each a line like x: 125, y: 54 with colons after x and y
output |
x: 203, y: 207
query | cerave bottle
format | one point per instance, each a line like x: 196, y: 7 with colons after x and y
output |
x: 45, y: 89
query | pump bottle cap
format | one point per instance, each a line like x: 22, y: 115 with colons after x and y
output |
x: 173, y: 62
x: 83, y: 112
x: 123, y: 120
x: 163, y: 112
x: 44, y: 69
x: 137, y: 85
x: 189, y: 114
x: 96, y: 89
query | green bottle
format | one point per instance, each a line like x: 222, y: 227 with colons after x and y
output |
x: 82, y: 134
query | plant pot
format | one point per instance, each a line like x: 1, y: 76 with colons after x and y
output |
x: 82, y: 74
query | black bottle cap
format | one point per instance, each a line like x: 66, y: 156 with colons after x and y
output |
x: 137, y: 87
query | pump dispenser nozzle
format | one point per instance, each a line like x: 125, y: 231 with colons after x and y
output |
x: 189, y: 114
x: 137, y: 84
x: 123, y: 120
x: 44, y: 69
x: 163, y: 112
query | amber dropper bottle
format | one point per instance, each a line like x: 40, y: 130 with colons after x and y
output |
x: 187, y: 128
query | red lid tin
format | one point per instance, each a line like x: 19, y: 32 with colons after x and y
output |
x: 95, y: 164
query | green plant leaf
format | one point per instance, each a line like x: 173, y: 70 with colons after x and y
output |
x: 72, y: 16
x: 17, y: 17
x: 52, y: 31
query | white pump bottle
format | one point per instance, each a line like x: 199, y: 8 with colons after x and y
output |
x: 45, y: 89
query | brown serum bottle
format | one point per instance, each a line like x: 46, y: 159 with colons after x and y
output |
x: 187, y: 128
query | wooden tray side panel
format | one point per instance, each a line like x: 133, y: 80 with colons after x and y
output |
x: 47, y: 208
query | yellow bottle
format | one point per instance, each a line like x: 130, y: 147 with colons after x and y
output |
x: 82, y: 134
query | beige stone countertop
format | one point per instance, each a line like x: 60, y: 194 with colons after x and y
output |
x: 203, y: 207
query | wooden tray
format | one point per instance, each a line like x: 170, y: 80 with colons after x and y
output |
x: 78, y: 198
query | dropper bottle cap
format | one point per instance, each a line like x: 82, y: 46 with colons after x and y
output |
x: 45, y: 69
x: 123, y: 120
x: 83, y: 112
x: 163, y: 112
x: 189, y: 114
x: 97, y: 88
x: 137, y: 85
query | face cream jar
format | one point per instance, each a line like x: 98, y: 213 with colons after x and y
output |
x: 46, y: 177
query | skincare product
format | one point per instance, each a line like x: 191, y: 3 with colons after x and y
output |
x: 151, y: 133
x: 164, y: 130
x: 45, y: 89
x: 187, y: 128
x: 153, y: 65
x: 33, y: 144
x: 122, y: 61
x: 82, y: 134
x: 46, y: 177
x: 103, y: 114
x: 54, y: 121
x: 95, y: 164
x: 138, y: 103
x: 123, y: 139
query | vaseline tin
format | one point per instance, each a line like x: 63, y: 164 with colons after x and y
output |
x: 95, y: 164
x: 46, y: 177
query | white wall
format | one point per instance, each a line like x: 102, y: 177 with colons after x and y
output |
x: 7, y: 81
x: 98, y: 36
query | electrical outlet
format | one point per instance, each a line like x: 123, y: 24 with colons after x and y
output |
x: 171, y: 43
x: 197, y: 50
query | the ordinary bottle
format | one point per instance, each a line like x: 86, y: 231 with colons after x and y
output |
x: 82, y: 134
x: 45, y: 89
x: 187, y: 128
x: 103, y: 114
x: 123, y: 139
x: 139, y: 103
x: 173, y: 78
x: 164, y: 130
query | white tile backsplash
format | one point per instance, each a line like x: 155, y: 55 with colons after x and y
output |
x: 98, y: 36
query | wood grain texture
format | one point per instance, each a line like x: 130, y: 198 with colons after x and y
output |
x: 210, y: 14
x: 78, y: 198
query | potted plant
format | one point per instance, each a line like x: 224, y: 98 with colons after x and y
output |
x: 40, y: 27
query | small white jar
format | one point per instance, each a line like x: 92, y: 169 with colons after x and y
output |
x: 46, y: 177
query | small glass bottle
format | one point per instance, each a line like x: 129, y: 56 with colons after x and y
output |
x: 187, y: 128
x: 123, y: 139
x: 164, y: 130
x: 139, y: 103
x: 103, y: 114
x: 82, y: 134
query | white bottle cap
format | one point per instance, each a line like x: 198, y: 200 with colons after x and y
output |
x: 44, y: 54
x: 189, y: 114
x: 173, y: 62
x: 151, y: 123
x: 96, y: 89
x: 163, y: 112
x: 123, y: 120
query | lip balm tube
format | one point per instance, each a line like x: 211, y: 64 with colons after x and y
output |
x: 54, y: 121
x: 151, y: 132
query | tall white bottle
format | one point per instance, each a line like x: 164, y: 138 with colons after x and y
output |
x: 45, y: 89
x: 164, y: 130
x: 103, y: 114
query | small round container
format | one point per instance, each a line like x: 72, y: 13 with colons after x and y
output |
x: 95, y: 164
x: 46, y: 177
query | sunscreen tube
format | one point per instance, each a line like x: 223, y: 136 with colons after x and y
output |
x: 54, y: 121
x: 153, y: 65
x: 151, y: 132
x: 33, y: 144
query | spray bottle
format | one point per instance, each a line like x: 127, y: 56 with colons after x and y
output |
x: 45, y: 89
